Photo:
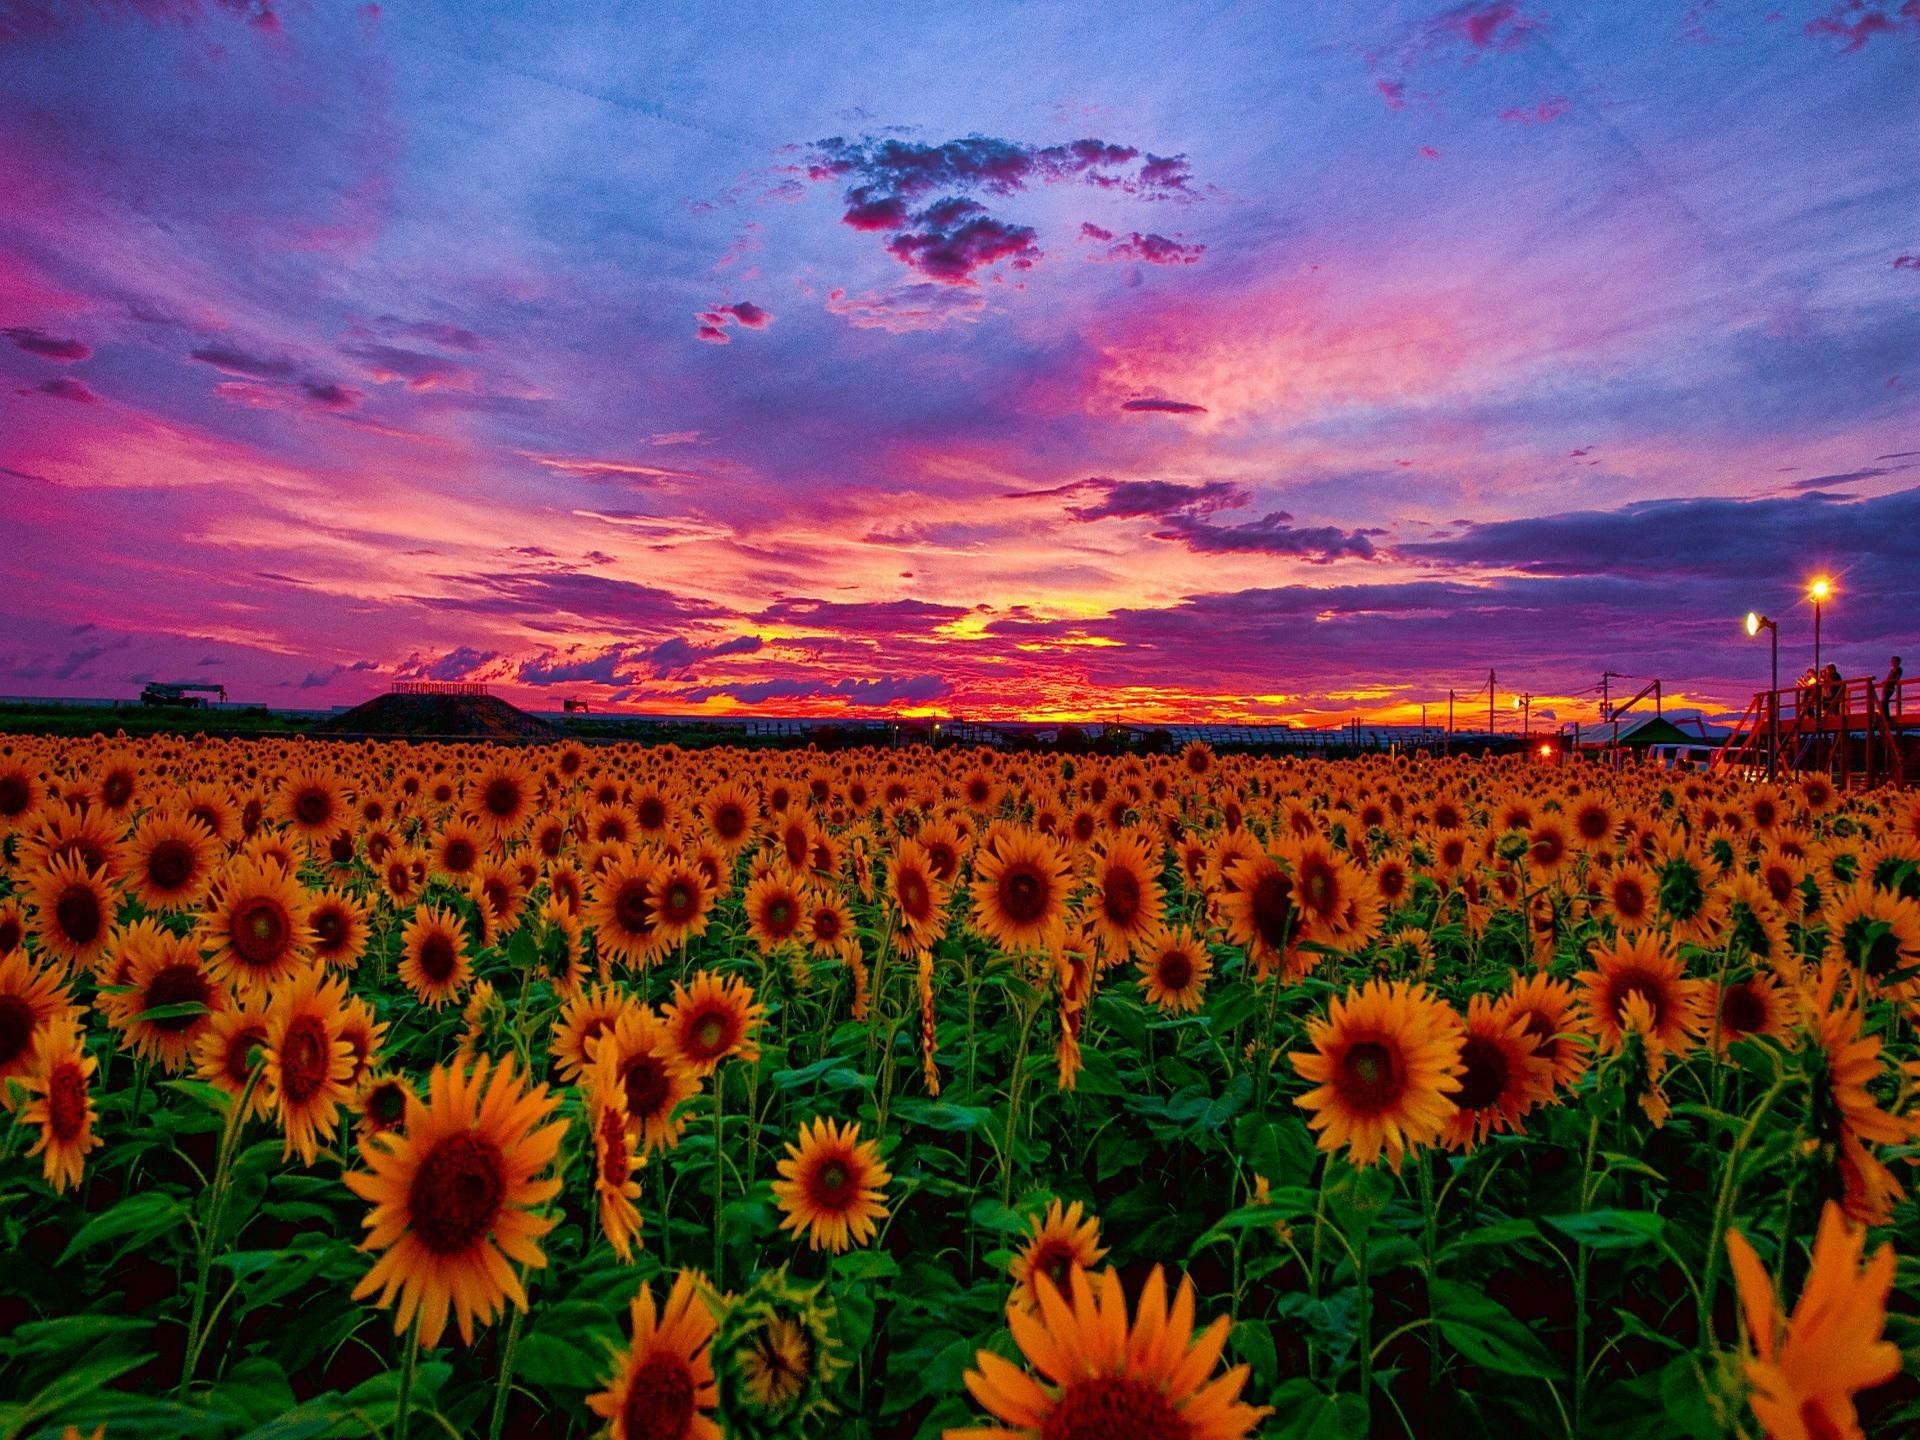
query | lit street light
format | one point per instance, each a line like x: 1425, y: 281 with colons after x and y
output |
x: 1756, y: 622
x: 1818, y: 592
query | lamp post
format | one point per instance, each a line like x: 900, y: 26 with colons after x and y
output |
x: 1818, y: 592
x: 1756, y: 622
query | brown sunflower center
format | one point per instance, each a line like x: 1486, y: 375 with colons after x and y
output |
x: 826, y: 926
x: 457, y: 1193
x: 330, y: 924
x: 239, y: 1046
x: 170, y: 865
x: 710, y: 1034
x: 1023, y: 894
x: 312, y: 806
x: 1486, y: 1074
x: 387, y: 1104
x: 647, y: 1085
x: 1542, y: 1029
x: 729, y: 821
x: 1368, y: 1078
x: 501, y: 798
x: 1643, y: 986
x: 77, y: 913
x: 1056, y: 1260
x: 181, y: 983
x: 1121, y: 896
x: 659, y: 1400
x: 833, y: 1185
x: 614, y: 1168
x: 1629, y: 898
x: 66, y: 1101
x: 116, y: 790
x: 1272, y: 908
x: 778, y: 918
x: 15, y: 793
x: 915, y: 898
x: 458, y: 856
x: 17, y: 1021
x: 631, y: 908
x: 678, y: 901
x: 1742, y: 1011
x: 261, y: 930
x: 437, y: 958
x: 1176, y: 970
x: 1114, y: 1407
x: 306, y: 1058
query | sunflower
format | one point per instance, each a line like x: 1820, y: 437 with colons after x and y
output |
x: 499, y: 799
x: 579, y: 1026
x: 946, y: 846
x: 1101, y: 1378
x: 1127, y: 898
x: 168, y: 861
x: 1059, y: 1243
x: 732, y: 814
x: 1503, y: 1075
x: 622, y: 912
x: 832, y: 1186
x: 776, y: 909
x: 828, y: 926
x: 13, y: 928
x: 453, y: 1193
x: 166, y: 974
x: 1593, y: 822
x: 1020, y: 892
x: 917, y: 895
x: 434, y: 963
x: 403, y: 876
x: 308, y: 1063
x: 663, y: 1387
x: 614, y: 1159
x: 456, y: 851
x: 1744, y: 1008
x: 339, y: 921
x: 654, y: 1080
x: 255, y: 924
x: 311, y: 803
x: 714, y: 1020
x: 59, y: 1076
x: 1752, y: 926
x: 1384, y: 1063
x: 1546, y: 1006
x: 1628, y: 894
x: 64, y: 831
x: 1648, y: 966
x: 1690, y: 902
x: 1174, y: 970
x: 73, y: 910
x: 1874, y: 931
x: 225, y: 1055
x: 31, y: 998
x: 499, y: 894
x: 780, y: 1357
x: 1261, y: 915
x: 1846, y: 1114
x: 21, y: 792
x: 682, y: 900
x: 382, y: 1104
x: 1804, y: 1373
x: 116, y: 785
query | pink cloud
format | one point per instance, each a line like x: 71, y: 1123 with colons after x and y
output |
x: 1544, y: 113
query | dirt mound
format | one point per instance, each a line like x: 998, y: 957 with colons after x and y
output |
x: 484, y: 717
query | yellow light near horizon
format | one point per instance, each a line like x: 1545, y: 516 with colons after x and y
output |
x: 1546, y: 750
x: 1820, y: 589
x: 1753, y: 622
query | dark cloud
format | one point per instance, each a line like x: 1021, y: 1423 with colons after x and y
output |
x: 715, y: 319
x: 1906, y: 262
x: 1857, y: 21
x: 545, y: 601
x: 1501, y: 25
x: 881, y: 690
x: 451, y: 337
x: 51, y: 347
x: 1134, y: 499
x: 678, y: 656
x: 1147, y: 405
x: 233, y: 361
x: 749, y: 314
x: 951, y: 237
x: 870, y: 618
x: 456, y: 664
x: 1148, y: 249
x: 1271, y: 534
x: 63, y: 388
x: 330, y: 396
x: 573, y: 666
x: 1848, y: 477
x: 420, y: 371
x: 317, y: 678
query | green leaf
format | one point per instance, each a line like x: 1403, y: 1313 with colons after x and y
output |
x: 940, y: 1115
x: 1487, y: 1334
x: 1612, y: 1229
x: 133, y: 1221
x: 866, y: 1265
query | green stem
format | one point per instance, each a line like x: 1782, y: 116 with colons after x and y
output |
x: 506, y: 1370
x: 212, y: 1222
x: 403, y: 1402
x: 719, y: 1116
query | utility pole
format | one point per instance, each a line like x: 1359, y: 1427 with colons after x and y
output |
x: 1449, y: 722
x: 1490, y: 727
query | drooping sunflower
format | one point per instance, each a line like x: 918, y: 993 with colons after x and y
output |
x: 1174, y: 970
x: 339, y: 921
x: 31, y: 998
x: 165, y: 974
x: 1100, y: 1377
x: 621, y: 910
x: 307, y: 1062
x: 73, y: 911
x: 653, y: 1077
x: 1262, y: 917
x: 1384, y: 1064
x: 662, y: 1386
x: 168, y: 861
x: 832, y: 1186
x: 1846, y: 1114
x: 382, y: 1104
x: 454, y: 1193
x: 776, y: 909
x: 1752, y: 925
x: 1690, y: 902
x: 1875, y: 931
x: 1128, y: 903
x: 917, y: 896
x: 1020, y: 892
x: 777, y: 1357
x: 1057, y: 1244
x: 434, y: 963
x: 1643, y: 964
x: 714, y: 1020
x: 58, y: 1079
x: 1803, y: 1372
x: 255, y: 924
x: 1503, y: 1075
x: 615, y: 1161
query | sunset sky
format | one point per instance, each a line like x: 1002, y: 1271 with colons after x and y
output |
x: 1150, y: 360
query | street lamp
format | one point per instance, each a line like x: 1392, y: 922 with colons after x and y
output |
x: 1756, y: 622
x: 1818, y: 591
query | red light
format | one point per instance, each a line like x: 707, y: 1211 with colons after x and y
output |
x: 1546, y: 752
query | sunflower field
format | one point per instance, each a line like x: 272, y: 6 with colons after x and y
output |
x: 485, y: 1090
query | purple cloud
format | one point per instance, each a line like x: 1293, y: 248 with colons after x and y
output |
x: 678, y: 656
x: 1135, y: 499
x: 1857, y: 21
x: 1271, y: 534
x: 62, y: 388
x: 1545, y: 112
x: 1147, y: 249
x: 1151, y: 405
x: 386, y: 364
x: 881, y: 690
x: 231, y: 360
x: 50, y: 347
x: 329, y: 396
x: 457, y: 664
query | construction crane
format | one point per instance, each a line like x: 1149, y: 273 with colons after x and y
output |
x: 181, y: 694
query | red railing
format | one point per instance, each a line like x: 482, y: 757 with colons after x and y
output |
x: 1848, y: 728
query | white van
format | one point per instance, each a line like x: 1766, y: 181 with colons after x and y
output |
x: 1682, y: 757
